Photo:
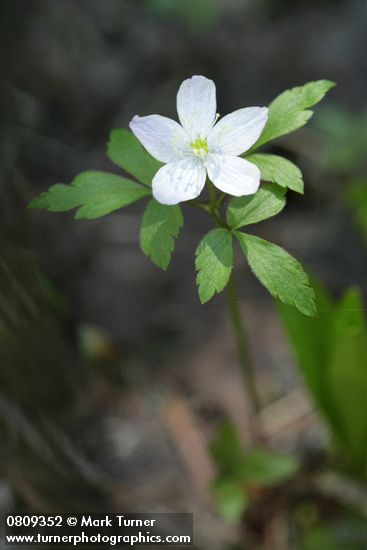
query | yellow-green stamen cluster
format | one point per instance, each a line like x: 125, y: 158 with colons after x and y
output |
x: 200, y: 147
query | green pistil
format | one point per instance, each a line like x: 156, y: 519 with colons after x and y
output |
x: 200, y: 147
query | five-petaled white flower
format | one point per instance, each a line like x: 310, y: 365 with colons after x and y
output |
x: 201, y: 146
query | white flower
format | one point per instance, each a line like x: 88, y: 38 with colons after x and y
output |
x: 201, y: 146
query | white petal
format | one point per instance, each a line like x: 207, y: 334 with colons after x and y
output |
x: 162, y: 137
x: 197, y: 106
x: 236, y: 133
x: 233, y: 175
x: 179, y: 181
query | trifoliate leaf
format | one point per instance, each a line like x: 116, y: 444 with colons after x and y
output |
x: 267, y: 202
x: 125, y: 150
x: 214, y: 260
x: 278, y: 170
x: 96, y: 193
x: 279, y: 272
x: 160, y: 225
x: 264, y: 468
x: 289, y: 111
x: 230, y: 499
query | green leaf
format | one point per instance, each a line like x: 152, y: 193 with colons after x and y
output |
x: 278, y: 170
x: 311, y: 339
x: 264, y: 468
x: 214, y: 260
x: 290, y: 110
x: 279, y: 272
x: 226, y: 449
x: 96, y: 193
x: 160, y: 226
x: 331, y: 351
x: 348, y: 376
x: 350, y: 313
x: 125, y: 150
x: 267, y: 202
x: 58, y: 198
x: 230, y: 499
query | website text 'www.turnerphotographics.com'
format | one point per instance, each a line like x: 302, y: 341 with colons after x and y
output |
x: 109, y: 530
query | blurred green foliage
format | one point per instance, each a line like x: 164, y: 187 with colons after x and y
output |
x: 345, y: 138
x: 331, y: 351
x: 198, y: 14
x: 356, y: 198
x: 347, y: 534
x: 241, y: 471
x: 344, y: 154
x: 230, y: 498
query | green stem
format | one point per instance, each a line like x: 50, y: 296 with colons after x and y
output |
x: 200, y: 205
x: 214, y: 205
x: 235, y: 315
x: 242, y: 348
x: 212, y: 196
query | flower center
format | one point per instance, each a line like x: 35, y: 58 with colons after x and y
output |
x: 200, y: 147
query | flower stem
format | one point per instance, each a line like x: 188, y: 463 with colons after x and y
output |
x: 213, y: 208
x: 243, y: 352
x: 214, y: 205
